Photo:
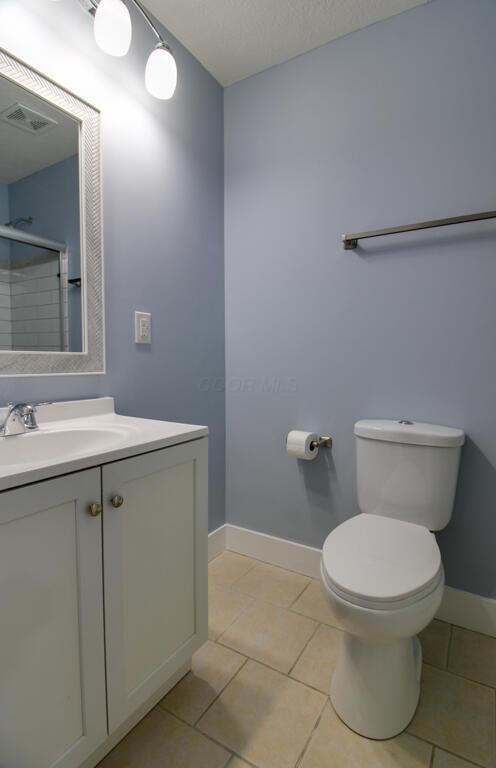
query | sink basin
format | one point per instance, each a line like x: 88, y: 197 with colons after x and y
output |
x: 79, y: 434
x: 53, y: 445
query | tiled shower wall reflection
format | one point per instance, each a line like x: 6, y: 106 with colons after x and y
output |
x: 5, y: 309
x: 33, y: 314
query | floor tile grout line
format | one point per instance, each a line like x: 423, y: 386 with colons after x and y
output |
x: 246, y: 659
x: 193, y: 725
x: 316, y: 725
x: 465, y: 629
x: 243, y: 611
x: 450, y: 644
x: 304, y: 648
x: 204, y: 733
x: 300, y: 613
x: 233, y: 678
x: 435, y: 745
x: 443, y: 748
x: 454, y: 754
x: 229, y: 749
x: 460, y: 677
x: 307, y: 616
x: 433, y: 752
x: 253, y: 658
x: 468, y: 679
x: 310, y: 580
x: 201, y: 733
x: 248, y: 762
x: 238, y: 578
x: 300, y: 593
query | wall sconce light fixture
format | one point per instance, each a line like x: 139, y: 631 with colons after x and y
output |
x: 113, y: 33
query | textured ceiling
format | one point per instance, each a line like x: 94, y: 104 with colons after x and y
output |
x: 237, y: 38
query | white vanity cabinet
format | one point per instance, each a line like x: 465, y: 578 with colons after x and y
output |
x: 100, y: 606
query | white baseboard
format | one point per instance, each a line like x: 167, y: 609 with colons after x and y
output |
x: 470, y: 611
x: 463, y: 609
x: 216, y: 542
x: 270, y: 549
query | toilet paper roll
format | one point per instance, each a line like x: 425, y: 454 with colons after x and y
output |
x: 298, y: 445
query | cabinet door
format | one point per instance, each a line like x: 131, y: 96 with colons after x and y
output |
x: 155, y: 570
x: 52, y: 666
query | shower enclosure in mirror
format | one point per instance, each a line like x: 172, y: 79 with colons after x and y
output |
x: 50, y: 228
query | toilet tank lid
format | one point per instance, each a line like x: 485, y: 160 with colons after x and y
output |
x: 414, y: 433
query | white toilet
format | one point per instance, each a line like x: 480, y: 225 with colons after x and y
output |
x: 382, y: 570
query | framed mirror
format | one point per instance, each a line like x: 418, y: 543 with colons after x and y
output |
x: 51, y: 265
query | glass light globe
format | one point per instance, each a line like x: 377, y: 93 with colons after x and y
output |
x: 161, y: 73
x: 113, y: 29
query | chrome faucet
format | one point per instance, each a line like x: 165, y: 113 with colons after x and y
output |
x: 20, y: 419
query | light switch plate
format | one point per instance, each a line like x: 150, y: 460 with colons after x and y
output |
x: 142, y: 327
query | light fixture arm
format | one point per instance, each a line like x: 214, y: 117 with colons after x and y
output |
x: 89, y: 5
x: 149, y: 21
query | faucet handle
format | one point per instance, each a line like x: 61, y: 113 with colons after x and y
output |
x: 29, y: 418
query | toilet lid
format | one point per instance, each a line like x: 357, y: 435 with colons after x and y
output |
x: 381, y: 560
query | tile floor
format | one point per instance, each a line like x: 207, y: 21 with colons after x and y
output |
x: 257, y: 691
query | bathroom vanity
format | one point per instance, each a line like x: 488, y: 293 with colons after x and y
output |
x: 103, y: 518
x: 103, y: 577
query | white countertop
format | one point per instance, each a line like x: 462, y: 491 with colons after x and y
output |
x: 118, y: 437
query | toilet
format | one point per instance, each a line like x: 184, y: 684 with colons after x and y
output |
x: 382, y: 571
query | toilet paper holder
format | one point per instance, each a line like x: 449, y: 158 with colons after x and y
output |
x: 323, y: 441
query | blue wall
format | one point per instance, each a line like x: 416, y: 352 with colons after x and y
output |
x: 51, y: 197
x: 389, y: 125
x: 163, y: 223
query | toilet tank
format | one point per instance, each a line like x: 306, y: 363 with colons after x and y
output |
x: 408, y: 470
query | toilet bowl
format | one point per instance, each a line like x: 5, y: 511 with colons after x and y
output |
x: 382, y: 572
x: 382, y: 599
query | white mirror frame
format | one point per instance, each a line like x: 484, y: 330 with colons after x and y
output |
x: 92, y: 359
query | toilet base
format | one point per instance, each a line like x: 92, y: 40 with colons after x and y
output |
x: 375, y: 687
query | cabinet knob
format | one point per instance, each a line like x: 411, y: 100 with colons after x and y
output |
x: 94, y: 509
x: 117, y: 501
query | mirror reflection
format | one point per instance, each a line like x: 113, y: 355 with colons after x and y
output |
x: 40, y: 261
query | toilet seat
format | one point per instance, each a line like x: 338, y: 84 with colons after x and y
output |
x: 381, y: 563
